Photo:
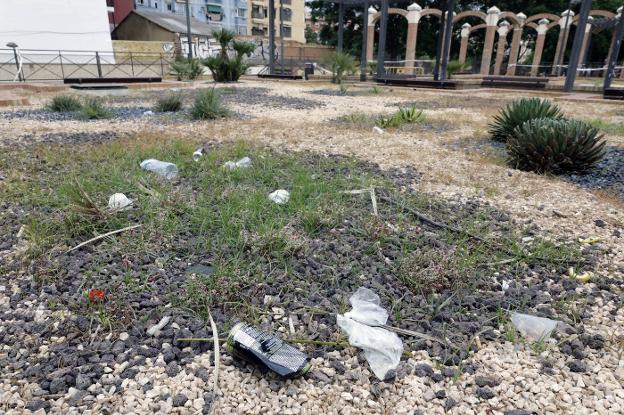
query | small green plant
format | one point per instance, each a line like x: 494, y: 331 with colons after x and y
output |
x: 455, y: 67
x: 94, y: 109
x: 224, y: 67
x: 409, y: 115
x: 64, y: 103
x: 555, y: 146
x: 374, y: 91
x: 372, y: 68
x: 171, y: 102
x: 344, y: 89
x: 208, y: 106
x: 518, y: 112
x: 186, y: 69
x: 340, y: 64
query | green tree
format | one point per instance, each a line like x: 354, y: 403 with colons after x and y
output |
x: 310, y: 35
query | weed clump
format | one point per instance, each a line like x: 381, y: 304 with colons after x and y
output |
x: 64, y: 103
x: 208, y: 106
x: 94, y: 109
x: 518, y: 112
x: 169, y: 103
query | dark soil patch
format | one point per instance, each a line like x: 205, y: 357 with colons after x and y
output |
x: 607, y: 175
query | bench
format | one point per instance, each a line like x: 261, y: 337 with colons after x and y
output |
x: 416, y: 83
x: 613, y: 93
x: 404, y: 70
x: 523, y: 82
x: 279, y: 76
x: 112, y: 80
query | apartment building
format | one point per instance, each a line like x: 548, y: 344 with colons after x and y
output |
x: 231, y: 14
x: 293, y: 16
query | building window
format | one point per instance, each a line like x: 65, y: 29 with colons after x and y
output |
x: 258, y: 31
x: 287, y: 15
x: 287, y: 31
x: 240, y: 12
x: 286, y: 2
x: 155, y: 4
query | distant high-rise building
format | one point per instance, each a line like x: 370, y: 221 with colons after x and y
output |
x: 231, y: 14
x: 293, y: 16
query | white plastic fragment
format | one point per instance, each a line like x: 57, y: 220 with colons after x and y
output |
x: 505, y: 285
x: 280, y: 196
x: 162, y: 168
x: 199, y: 153
x: 119, y: 201
x: 382, y: 348
x: 156, y: 328
x: 378, y: 130
x: 242, y: 163
x: 537, y: 328
x: 148, y: 113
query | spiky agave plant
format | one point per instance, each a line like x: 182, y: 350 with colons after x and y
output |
x: 519, y: 111
x: 555, y: 146
x: 411, y: 115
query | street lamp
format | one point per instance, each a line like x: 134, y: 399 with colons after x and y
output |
x: 14, y: 46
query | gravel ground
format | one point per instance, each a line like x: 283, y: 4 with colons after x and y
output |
x: 129, y: 372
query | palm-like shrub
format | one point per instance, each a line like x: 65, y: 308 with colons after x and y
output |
x: 454, y: 67
x: 186, y: 69
x: 208, y: 106
x: 169, y: 103
x: 64, y: 103
x: 94, y: 109
x: 520, y: 111
x: 555, y: 146
x: 224, y: 67
x: 339, y: 64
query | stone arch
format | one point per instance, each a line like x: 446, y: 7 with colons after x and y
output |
x: 432, y: 12
x: 510, y: 16
x: 601, y: 13
x: 463, y: 15
x: 392, y: 10
x: 478, y: 27
x: 540, y: 16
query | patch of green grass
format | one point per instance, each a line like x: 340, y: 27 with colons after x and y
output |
x: 171, y: 102
x: 208, y: 106
x: 64, y: 103
x: 611, y: 128
x: 404, y: 116
x: 94, y: 109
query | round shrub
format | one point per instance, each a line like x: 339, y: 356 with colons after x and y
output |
x: 519, y: 111
x: 556, y: 146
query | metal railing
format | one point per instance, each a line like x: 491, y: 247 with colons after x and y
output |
x: 56, y: 65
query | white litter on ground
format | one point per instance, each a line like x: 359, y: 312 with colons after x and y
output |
x: 280, y: 196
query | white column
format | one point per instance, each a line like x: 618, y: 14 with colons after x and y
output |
x: 503, y: 29
x: 463, y: 49
x: 565, y: 22
x: 370, y: 44
x: 493, y: 14
x: 542, y: 28
x: 413, y: 17
x: 516, y: 41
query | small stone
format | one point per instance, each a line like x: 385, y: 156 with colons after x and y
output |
x: 83, y: 381
x: 124, y: 336
x: 319, y: 376
x: 485, y: 393
x: 179, y: 399
x: 428, y: 395
x: 600, y: 223
x: 37, y: 404
x: 422, y: 370
x: 617, y: 233
x: 577, y: 366
x: 441, y: 394
x: 58, y: 385
x: 291, y: 391
x: 450, y: 403
x: 482, y: 381
x: 172, y: 369
x: 517, y: 412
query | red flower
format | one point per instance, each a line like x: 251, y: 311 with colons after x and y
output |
x: 96, y: 295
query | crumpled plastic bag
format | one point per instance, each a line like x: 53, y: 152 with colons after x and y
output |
x: 280, y: 196
x: 382, y: 348
x: 537, y: 328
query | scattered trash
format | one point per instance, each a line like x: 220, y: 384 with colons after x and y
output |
x: 162, y: 168
x: 148, y: 113
x: 383, y: 348
x: 250, y: 344
x: 199, y: 153
x: 372, y: 196
x: 242, y: 163
x: 378, y: 130
x: 119, y: 201
x: 538, y: 328
x: 585, y: 277
x: 21, y: 232
x: 156, y: 328
x: 104, y: 235
x: 505, y: 285
x: 589, y: 241
x: 280, y: 196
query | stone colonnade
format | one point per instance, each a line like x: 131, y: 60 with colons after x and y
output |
x: 495, y: 23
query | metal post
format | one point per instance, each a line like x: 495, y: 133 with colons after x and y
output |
x: 98, y: 63
x: 576, y: 46
x: 363, y: 63
x: 131, y: 64
x: 188, y: 29
x: 271, y: 37
x: 448, y: 30
x: 619, y: 30
x: 383, y: 29
x: 162, y: 66
x: 17, y: 66
x: 281, y: 14
x: 439, y: 41
x: 340, y: 26
x: 61, y: 61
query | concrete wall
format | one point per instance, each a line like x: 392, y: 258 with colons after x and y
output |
x: 55, y: 24
x: 142, y: 46
x: 134, y: 27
